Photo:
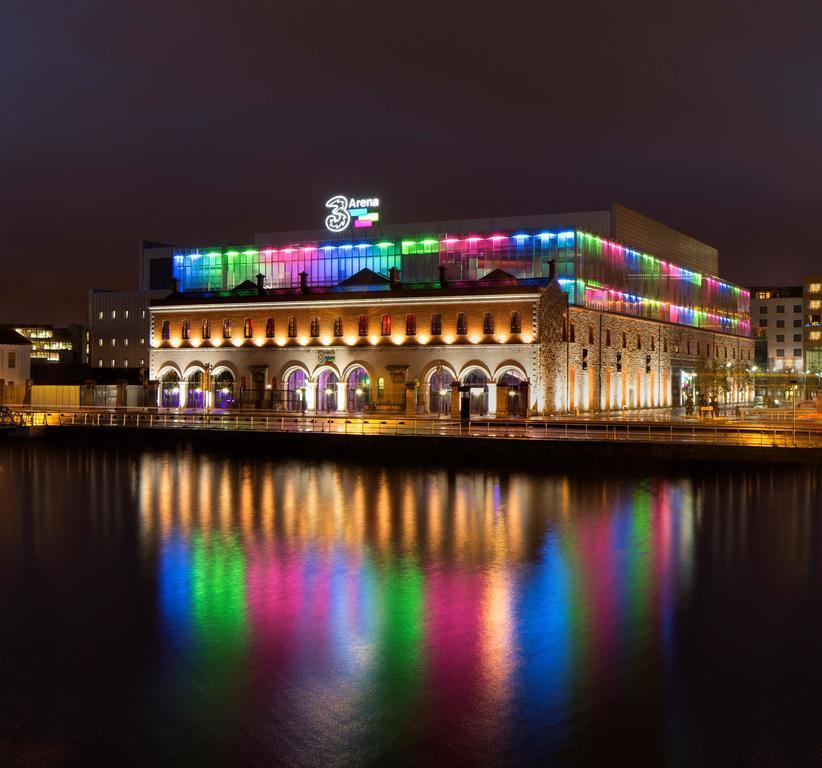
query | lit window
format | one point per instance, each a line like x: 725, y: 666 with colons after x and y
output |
x: 113, y: 363
x: 269, y: 327
x: 292, y: 327
x: 125, y: 363
x: 100, y: 317
x: 166, y: 330
x: 815, y: 304
x: 314, y: 327
x: 436, y: 324
x: 488, y: 323
x: 363, y: 325
x: 142, y: 342
x: 206, y: 329
x: 248, y: 328
x: 114, y: 342
x: 186, y: 329
x: 99, y: 342
x: 385, y: 325
x: 410, y: 325
x: 815, y: 288
x: 380, y: 387
x: 142, y: 314
x: 113, y: 315
x: 338, y: 327
x: 226, y: 328
x: 462, y: 324
x: 99, y: 363
x: 126, y: 314
x: 125, y: 342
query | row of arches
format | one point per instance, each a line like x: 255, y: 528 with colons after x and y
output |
x: 355, y: 390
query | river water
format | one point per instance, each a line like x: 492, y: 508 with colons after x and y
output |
x: 176, y: 607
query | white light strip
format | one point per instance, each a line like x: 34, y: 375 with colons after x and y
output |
x: 408, y: 302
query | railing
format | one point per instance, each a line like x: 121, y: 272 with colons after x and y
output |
x: 730, y: 433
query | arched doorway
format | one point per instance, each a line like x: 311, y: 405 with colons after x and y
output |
x: 439, y: 391
x: 170, y: 390
x: 295, y: 390
x: 478, y: 382
x: 196, y: 390
x: 327, y: 391
x: 515, y: 382
x: 224, y: 395
x: 359, y: 390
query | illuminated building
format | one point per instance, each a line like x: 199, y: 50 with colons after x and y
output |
x: 776, y: 317
x: 812, y: 286
x: 527, y: 318
x: 54, y: 345
x: 15, y: 365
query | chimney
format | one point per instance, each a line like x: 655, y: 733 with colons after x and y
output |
x: 443, y: 278
x: 261, y: 283
x: 552, y: 270
x: 394, y: 278
x: 304, y: 282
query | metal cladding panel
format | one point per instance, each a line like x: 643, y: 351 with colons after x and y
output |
x: 644, y: 234
x: 596, y: 222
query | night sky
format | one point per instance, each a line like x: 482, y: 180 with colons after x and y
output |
x: 197, y: 122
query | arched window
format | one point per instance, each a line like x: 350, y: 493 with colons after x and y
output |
x: 439, y: 391
x: 295, y: 391
x: 385, y: 325
x: 196, y: 390
x: 170, y: 390
x: 516, y: 322
x: 224, y: 386
x: 327, y: 391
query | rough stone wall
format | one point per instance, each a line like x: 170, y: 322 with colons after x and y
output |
x: 552, y: 355
x: 637, y: 345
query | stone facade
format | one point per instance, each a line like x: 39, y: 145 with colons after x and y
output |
x: 514, y: 350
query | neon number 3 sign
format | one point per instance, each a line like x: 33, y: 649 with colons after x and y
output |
x: 339, y: 218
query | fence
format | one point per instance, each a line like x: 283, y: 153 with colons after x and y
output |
x: 660, y: 432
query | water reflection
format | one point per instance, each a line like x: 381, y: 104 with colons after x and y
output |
x: 214, y: 610
x: 386, y: 609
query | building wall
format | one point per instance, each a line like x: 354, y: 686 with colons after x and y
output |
x: 570, y: 357
x: 812, y: 289
x: 777, y: 317
x: 119, y: 328
x: 645, y: 234
x: 15, y: 363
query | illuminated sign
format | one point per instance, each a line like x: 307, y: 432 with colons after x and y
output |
x: 326, y: 356
x: 344, y: 210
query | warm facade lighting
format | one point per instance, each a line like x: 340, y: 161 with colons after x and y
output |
x: 397, y: 339
x: 280, y: 341
x: 474, y: 338
x: 325, y: 340
x: 302, y: 341
x: 374, y: 339
x: 423, y: 339
x: 448, y: 338
x: 502, y: 338
x: 350, y: 340
x: 527, y: 338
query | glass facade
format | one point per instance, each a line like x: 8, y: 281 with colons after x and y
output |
x: 593, y: 271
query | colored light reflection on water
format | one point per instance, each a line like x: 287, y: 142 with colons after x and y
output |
x: 216, y: 610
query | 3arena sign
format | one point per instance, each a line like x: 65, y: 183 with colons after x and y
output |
x: 345, y: 209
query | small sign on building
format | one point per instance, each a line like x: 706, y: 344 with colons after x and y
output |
x: 326, y: 356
